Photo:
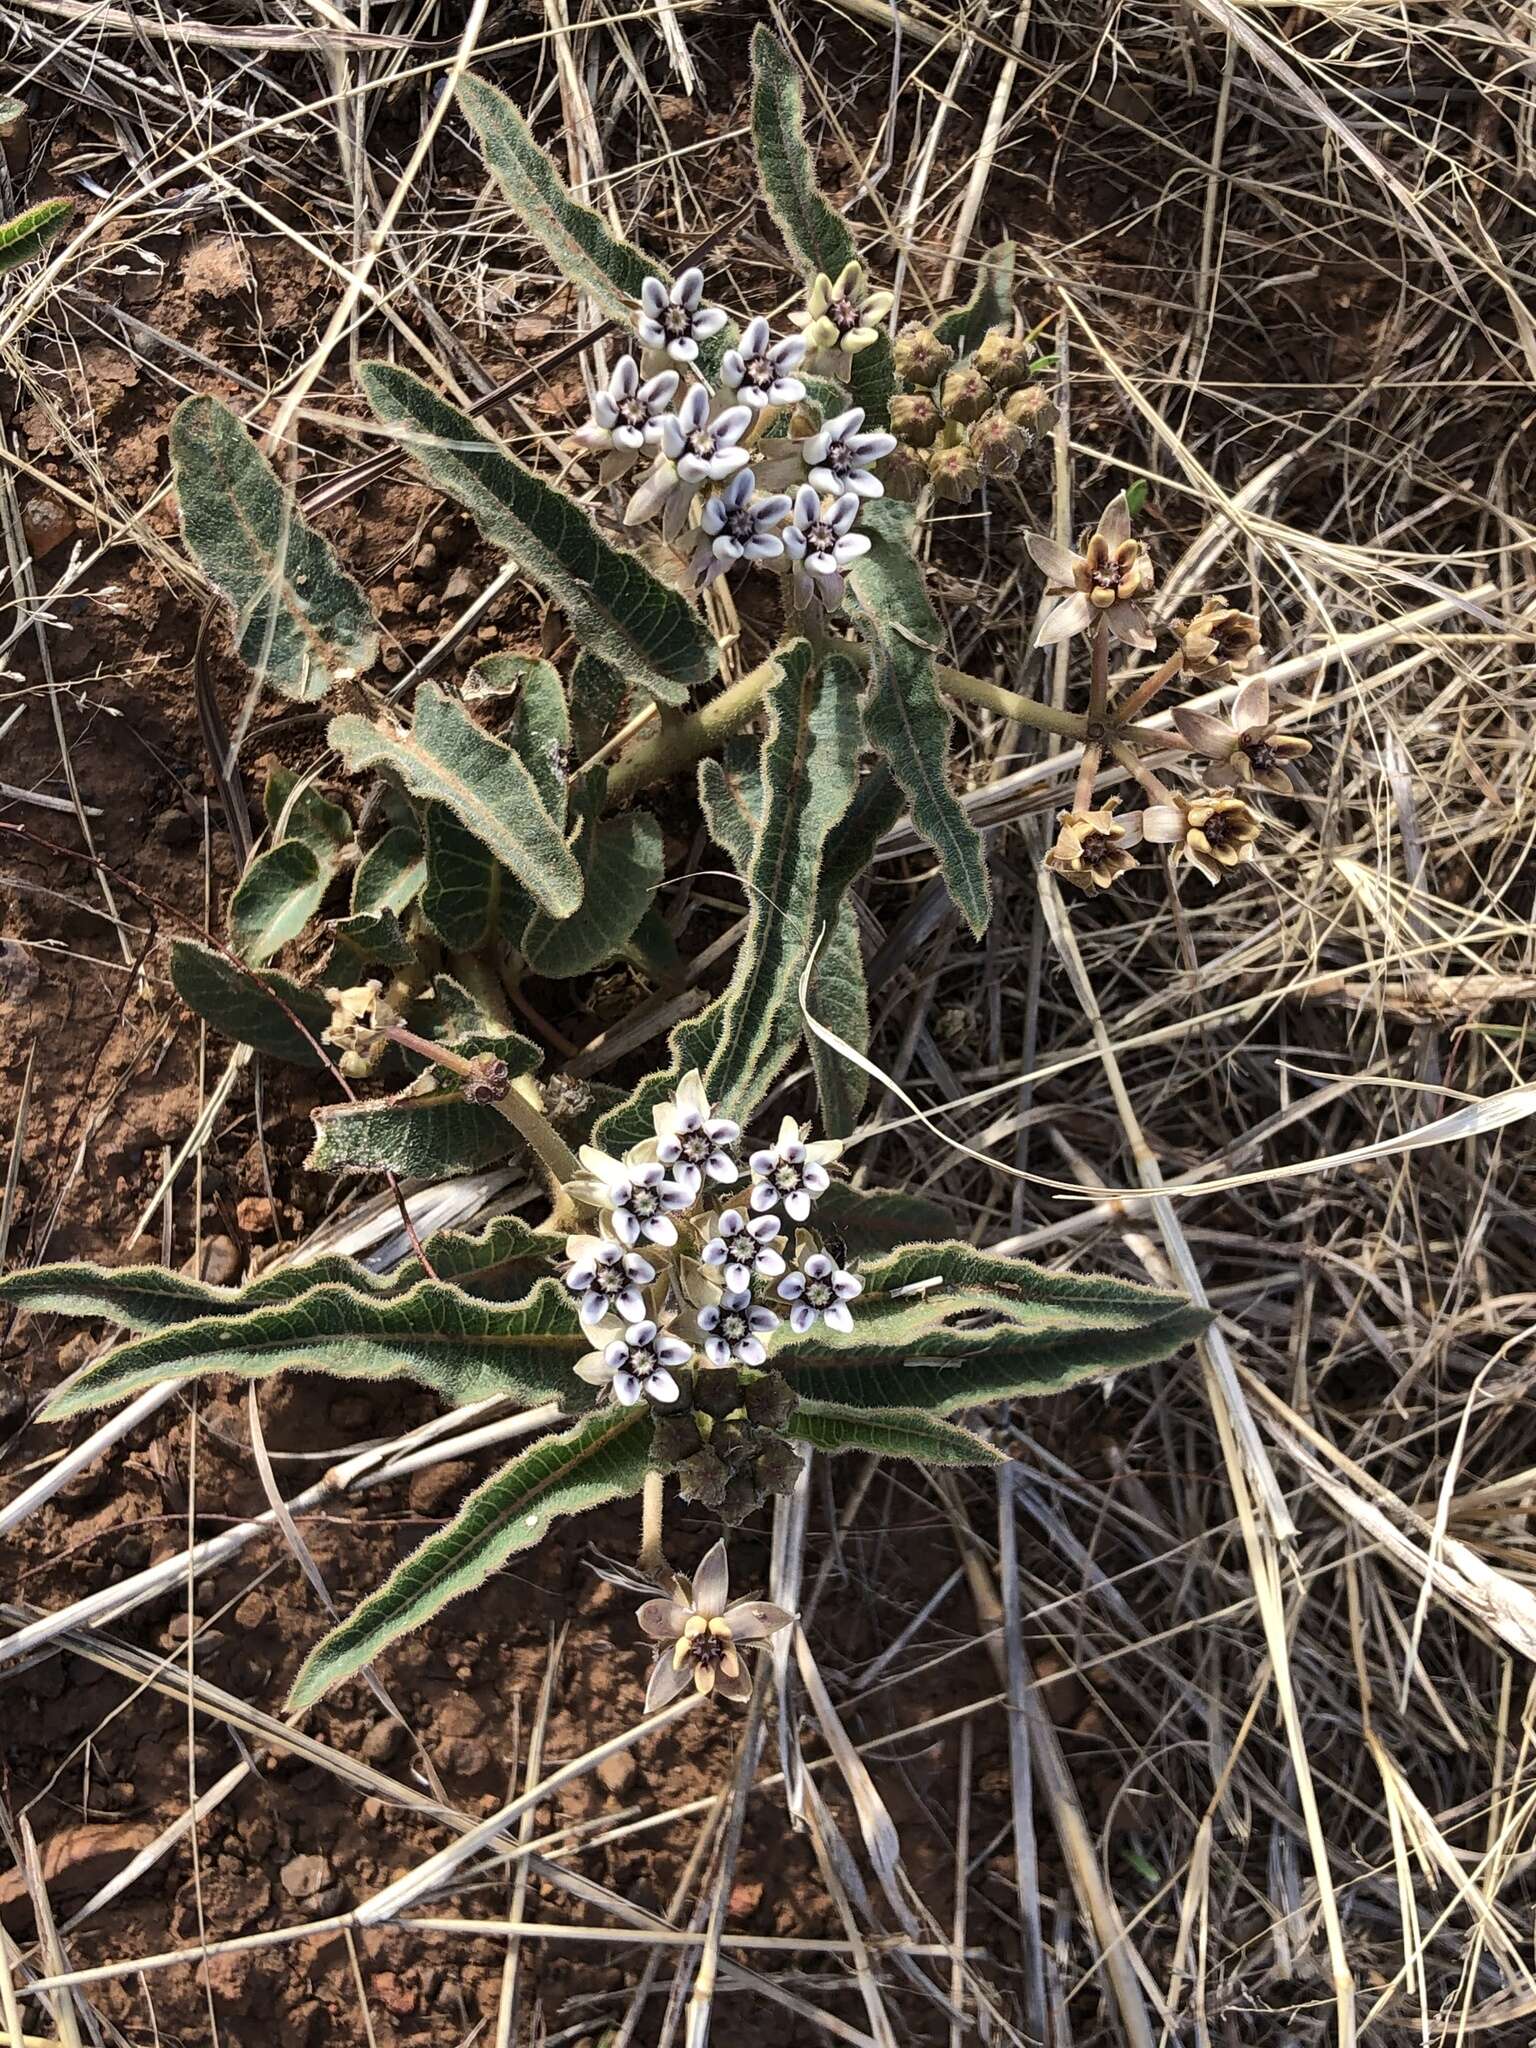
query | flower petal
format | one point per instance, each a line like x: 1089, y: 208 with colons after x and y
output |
x: 1115, y: 523
x: 663, y: 1619
x: 1073, y: 615
x: 1251, y: 704
x: 712, y: 1583
x: 1162, y: 824
x: 1058, y: 562
x: 1207, y: 735
x: 667, y: 1681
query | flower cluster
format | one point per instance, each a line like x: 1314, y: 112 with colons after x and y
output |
x: 1102, y: 587
x: 694, y: 1266
x: 721, y: 486
x: 957, y: 421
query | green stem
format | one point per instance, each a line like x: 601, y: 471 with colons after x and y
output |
x: 679, y: 745
x: 531, y: 1125
x: 653, y: 1555
x: 1072, y: 725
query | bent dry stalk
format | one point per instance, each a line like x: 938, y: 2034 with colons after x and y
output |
x: 695, y: 1305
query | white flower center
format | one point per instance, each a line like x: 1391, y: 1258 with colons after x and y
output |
x: 733, y: 1326
x: 786, y: 1177
x: 644, y: 1202
x: 820, y: 1293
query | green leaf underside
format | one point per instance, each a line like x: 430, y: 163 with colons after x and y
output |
x: 390, y: 875
x: 300, y: 619
x: 615, y: 606
x: 623, y: 858
x: 252, y: 1008
x: 28, y: 234
x: 809, y: 762
x: 819, y: 237
x: 838, y: 995
x: 445, y: 758
x: 464, y: 1349
x: 609, y: 270
x: 462, y: 895
x: 890, y: 1433
x: 603, y: 1458
x: 375, y: 937
x: 424, y: 1137
x: 295, y: 810
x: 278, y: 894
x: 506, y: 1257
x: 904, y: 714
x: 990, y: 304
x: 540, y: 725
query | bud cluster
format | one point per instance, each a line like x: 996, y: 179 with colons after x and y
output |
x: 684, y: 1300
x: 959, y: 420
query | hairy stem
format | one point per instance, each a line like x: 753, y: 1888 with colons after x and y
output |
x: 653, y: 1555
x: 678, y: 746
x: 530, y: 1123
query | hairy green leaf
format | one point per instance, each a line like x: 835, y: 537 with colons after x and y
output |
x: 265, y: 1010
x: 424, y: 1137
x: 390, y: 875
x: 610, y: 271
x: 277, y: 896
x: 445, y: 758
x: 540, y: 725
x: 507, y: 1257
x: 623, y: 859
x: 615, y: 606
x: 603, y: 1458
x: 300, y: 620
x: 809, y: 761
x: 818, y: 236
x: 295, y: 809
x: 904, y: 715
x: 874, y: 1220
x: 466, y: 1350
x: 28, y: 234
x: 372, y: 938
x: 838, y: 994
x: 462, y: 897
x: 598, y: 694
x: 891, y: 1433
x: 691, y: 1044
x: 990, y: 304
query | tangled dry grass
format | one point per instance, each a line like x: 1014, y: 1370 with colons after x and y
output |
x: 1261, y: 1627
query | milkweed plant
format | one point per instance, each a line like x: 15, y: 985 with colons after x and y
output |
x: 706, y: 1297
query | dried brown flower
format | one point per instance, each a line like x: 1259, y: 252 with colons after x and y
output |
x: 1218, y: 642
x: 1248, y: 748
x: 1091, y: 848
x: 359, y: 1017
x: 1213, y: 832
x: 1100, y: 584
x: 701, y: 1635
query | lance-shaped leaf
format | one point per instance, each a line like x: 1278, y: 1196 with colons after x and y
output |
x: 819, y: 237
x: 809, y: 762
x: 891, y: 1433
x: 871, y: 1221
x: 838, y: 992
x: 505, y: 1258
x: 295, y: 809
x: 609, y: 270
x: 277, y: 896
x: 300, y: 620
x: 623, y: 860
x: 428, y: 1136
x: 691, y: 1044
x: 615, y: 606
x: 904, y: 715
x: 603, y: 1458
x: 390, y: 875
x: 445, y: 758
x: 990, y: 304
x: 28, y: 234
x: 466, y: 1350
x: 265, y: 1010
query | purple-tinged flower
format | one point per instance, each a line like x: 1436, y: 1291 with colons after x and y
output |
x: 820, y: 542
x: 820, y: 1289
x: 759, y: 371
x: 691, y: 1139
x: 628, y: 415
x: 736, y: 526
x: 639, y: 1199
x: 677, y: 321
x: 608, y: 1279
x: 742, y: 1249
x: 837, y: 459
x: 790, y: 1173
x: 734, y: 1328
x: 638, y: 1364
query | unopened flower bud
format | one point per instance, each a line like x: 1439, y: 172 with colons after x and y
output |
x: 770, y: 1401
x: 1032, y: 410
x: 954, y: 474
x: 1003, y: 360
x: 921, y: 358
x: 915, y: 419
x: 778, y: 1466
x: 674, y: 1438
x: 718, y: 1391
x: 904, y: 473
x: 998, y: 446
x: 966, y: 394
